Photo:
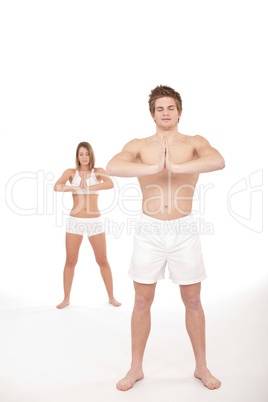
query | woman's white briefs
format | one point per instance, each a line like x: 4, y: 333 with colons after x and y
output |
x: 88, y: 226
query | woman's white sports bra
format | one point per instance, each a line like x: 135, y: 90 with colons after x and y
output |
x: 90, y: 182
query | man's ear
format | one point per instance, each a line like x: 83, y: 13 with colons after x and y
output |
x: 153, y: 117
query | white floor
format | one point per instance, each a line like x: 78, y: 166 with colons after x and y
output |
x: 79, y: 353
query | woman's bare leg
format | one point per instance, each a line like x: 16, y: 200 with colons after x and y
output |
x: 73, y: 243
x: 98, y: 243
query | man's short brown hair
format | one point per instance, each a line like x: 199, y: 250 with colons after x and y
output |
x: 159, y: 92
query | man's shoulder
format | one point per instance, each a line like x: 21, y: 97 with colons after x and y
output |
x: 198, y: 137
x: 200, y: 141
x: 137, y: 142
x: 141, y: 140
x: 188, y: 137
x: 194, y: 138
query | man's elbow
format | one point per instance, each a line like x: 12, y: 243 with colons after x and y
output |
x: 109, y: 169
x: 221, y: 163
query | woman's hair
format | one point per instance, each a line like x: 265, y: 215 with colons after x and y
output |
x: 159, y: 92
x: 91, y: 155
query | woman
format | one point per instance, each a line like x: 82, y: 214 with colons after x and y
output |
x: 85, y: 218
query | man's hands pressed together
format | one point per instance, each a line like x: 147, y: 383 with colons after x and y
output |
x: 209, y: 159
x: 164, y: 161
x: 168, y: 163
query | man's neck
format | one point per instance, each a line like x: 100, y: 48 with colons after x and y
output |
x: 171, y: 134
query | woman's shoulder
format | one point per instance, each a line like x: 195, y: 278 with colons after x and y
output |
x: 70, y: 170
x: 99, y: 170
x: 70, y: 173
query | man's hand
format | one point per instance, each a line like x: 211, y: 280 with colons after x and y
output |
x: 209, y: 159
x: 161, y: 161
x: 169, y: 164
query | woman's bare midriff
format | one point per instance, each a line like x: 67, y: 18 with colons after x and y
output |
x: 85, y: 206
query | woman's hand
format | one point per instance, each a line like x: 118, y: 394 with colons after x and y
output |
x: 83, y: 181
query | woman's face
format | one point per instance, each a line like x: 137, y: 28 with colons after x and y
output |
x: 83, y: 156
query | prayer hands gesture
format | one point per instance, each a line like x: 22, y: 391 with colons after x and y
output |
x: 163, y: 161
x: 83, y: 184
x: 169, y: 164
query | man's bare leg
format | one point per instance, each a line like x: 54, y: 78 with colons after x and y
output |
x: 195, y: 325
x: 140, y: 329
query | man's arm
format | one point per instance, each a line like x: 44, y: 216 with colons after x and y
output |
x: 124, y: 165
x: 209, y: 159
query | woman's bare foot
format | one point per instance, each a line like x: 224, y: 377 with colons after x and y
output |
x: 129, y: 380
x: 63, y: 304
x: 207, y: 378
x: 114, y: 302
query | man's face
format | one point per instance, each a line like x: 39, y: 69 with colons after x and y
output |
x: 166, y: 114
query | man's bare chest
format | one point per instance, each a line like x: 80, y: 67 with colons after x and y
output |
x: 179, y: 152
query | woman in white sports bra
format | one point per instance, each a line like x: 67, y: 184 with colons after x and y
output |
x: 85, y: 218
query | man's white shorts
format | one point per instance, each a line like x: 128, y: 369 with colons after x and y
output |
x: 174, y: 242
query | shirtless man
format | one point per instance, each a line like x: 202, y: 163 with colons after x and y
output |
x: 167, y: 165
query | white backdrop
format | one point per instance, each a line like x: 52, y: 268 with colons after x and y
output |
x: 75, y: 71
x: 83, y: 71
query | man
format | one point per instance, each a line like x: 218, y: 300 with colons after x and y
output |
x: 167, y: 165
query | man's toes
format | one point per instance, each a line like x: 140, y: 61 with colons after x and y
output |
x: 215, y: 385
x: 121, y: 387
x: 124, y: 388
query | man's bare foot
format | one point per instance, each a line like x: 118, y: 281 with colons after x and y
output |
x: 129, y: 380
x: 114, y: 302
x: 63, y: 304
x: 207, y: 378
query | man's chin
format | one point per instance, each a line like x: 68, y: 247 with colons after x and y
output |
x: 168, y: 127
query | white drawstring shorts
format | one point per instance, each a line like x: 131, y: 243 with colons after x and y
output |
x: 174, y: 242
x: 88, y: 226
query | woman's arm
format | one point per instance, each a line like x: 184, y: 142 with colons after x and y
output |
x: 101, y: 175
x: 60, y: 184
